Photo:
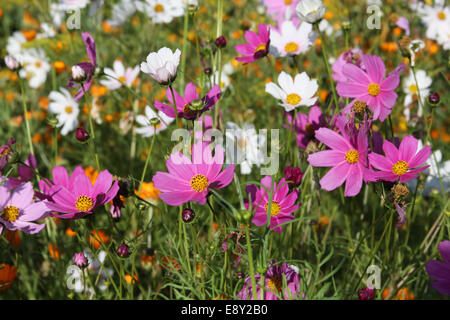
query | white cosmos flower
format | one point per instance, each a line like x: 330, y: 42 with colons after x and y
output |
x: 73, y: 4
x: 294, y: 92
x: 161, y: 11
x: 162, y: 65
x: 14, y: 45
x: 121, y: 12
x: 147, y: 129
x: 118, y: 76
x: 310, y: 10
x: 35, y: 67
x: 244, y: 146
x: 437, y: 20
x: 66, y: 108
x: 291, y: 41
x: 225, y: 76
x: 412, y: 92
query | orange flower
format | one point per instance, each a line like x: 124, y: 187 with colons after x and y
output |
x: 98, y: 91
x: 169, y: 263
x: 37, y: 137
x: 96, y: 237
x: 147, y: 261
x: 13, y: 237
x: 43, y: 102
x: 130, y: 279
x: 60, y: 66
x: 402, y: 294
x: 1, y: 12
x: 91, y: 173
x: 7, y: 275
x: 54, y: 252
x: 70, y: 232
x: 148, y: 191
x: 29, y: 34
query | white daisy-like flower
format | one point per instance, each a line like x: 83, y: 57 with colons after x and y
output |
x: 225, y: 76
x: 326, y: 27
x: 437, y: 20
x: 121, y: 12
x: 161, y: 11
x: 66, y: 108
x: 310, y: 10
x: 293, y: 93
x: 118, y: 76
x: 443, y: 39
x: 47, y: 31
x: 244, y: 146
x: 291, y: 41
x: 35, y: 67
x: 73, y: 4
x: 14, y: 45
x: 162, y: 65
x: 412, y: 91
x: 148, y: 129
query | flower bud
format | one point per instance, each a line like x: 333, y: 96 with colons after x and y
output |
x: 207, y: 71
x: 80, y: 260
x: 434, y: 99
x: 78, y: 74
x: 293, y: 174
x: 366, y: 294
x: 154, y: 122
x: 12, y: 63
x: 123, y: 251
x: 221, y: 42
x: 187, y: 215
x: 81, y: 134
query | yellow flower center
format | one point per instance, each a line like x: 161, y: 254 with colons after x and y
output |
x: 359, y: 106
x: 374, y: 89
x: 262, y: 47
x: 275, y: 283
x: 291, y: 47
x: 274, y: 208
x: 199, y: 183
x: 400, y: 167
x: 5, y: 152
x: 242, y: 143
x: 293, y: 99
x: 441, y: 15
x: 10, y: 213
x: 352, y: 156
x: 287, y: 2
x: 84, y: 204
x: 188, y: 110
x: 159, y: 8
x: 122, y: 79
x: 413, y: 88
x: 68, y: 109
x: 38, y: 64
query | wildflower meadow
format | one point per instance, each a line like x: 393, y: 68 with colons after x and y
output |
x: 224, y: 150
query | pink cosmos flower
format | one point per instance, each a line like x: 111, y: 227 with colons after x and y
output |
x: 88, y: 67
x: 439, y: 270
x: 257, y: 46
x: 77, y: 196
x: 370, y: 86
x: 273, y: 284
x: 306, y: 125
x: 191, y: 179
x: 18, y: 209
x: 348, y: 157
x: 282, y: 10
x: 281, y: 207
x: 184, y: 104
x: 352, y: 56
x: 401, y: 163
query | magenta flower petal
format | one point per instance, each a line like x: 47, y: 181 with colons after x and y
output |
x: 22, y: 196
x: 390, y: 151
x: 390, y: 83
x: 167, y: 182
x: 35, y: 211
x: 176, y: 198
x: 333, y: 139
x: 335, y: 177
x: 444, y: 250
x: 103, y: 182
x: 380, y: 162
x: 90, y: 47
x: 190, y: 92
x: 420, y: 157
x: 244, y: 49
x: 169, y: 111
x: 224, y: 178
x: 82, y: 186
x: 375, y: 67
x: 356, y: 75
x: 438, y: 270
x: 353, y: 182
x: 327, y: 158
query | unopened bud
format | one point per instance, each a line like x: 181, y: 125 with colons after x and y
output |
x: 12, y: 63
x: 188, y: 215
x: 434, y: 99
x: 78, y: 74
x: 221, y: 42
x: 123, y: 251
x: 80, y: 260
x: 81, y: 134
x: 155, y: 122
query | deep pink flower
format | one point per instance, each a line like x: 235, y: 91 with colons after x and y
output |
x: 184, y: 104
x: 348, y: 157
x: 18, y: 209
x: 352, y: 56
x: 439, y: 270
x: 370, y: 86
x: 281, y: 207
x: 76, y: 196
x: 306, y: 125
x: 257, y: 46
x: 88, y: 67
x: 400, y: 163
x: 273, y: 284
x: 191, y: 180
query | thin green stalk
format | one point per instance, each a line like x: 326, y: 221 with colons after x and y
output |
x: 216, y: 119
x: 147, y: 161
x: 250, y: 262
x: 25, y: 116
x: 184, y: 52
x: 174, y: 106
x: 91, y: 128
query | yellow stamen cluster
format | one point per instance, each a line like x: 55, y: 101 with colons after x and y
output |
x: 352, y: 156
x: 199, y: 183
x: 291, y: 47
x: 262, y: 47
x: 274, y: 208
x: 122, y: 79
x: 359, y: 106
x: 10, y: 213
x: 400, y: 168
x: 373, y: 89
x: 441, y: 15
x: 413, y: 88
x: 275, y: 283
x: 69, y: 109
x: 287, y: 2
x: 84, y: 204
x: 293, y: 99
x: 159, y: 8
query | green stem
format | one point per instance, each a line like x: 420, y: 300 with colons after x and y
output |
x: 184, y: 53
x: 174, y: 106
x: 250, y: 262
x: 147, y: 161
x: 25, y: 115
x: 91, y: 128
